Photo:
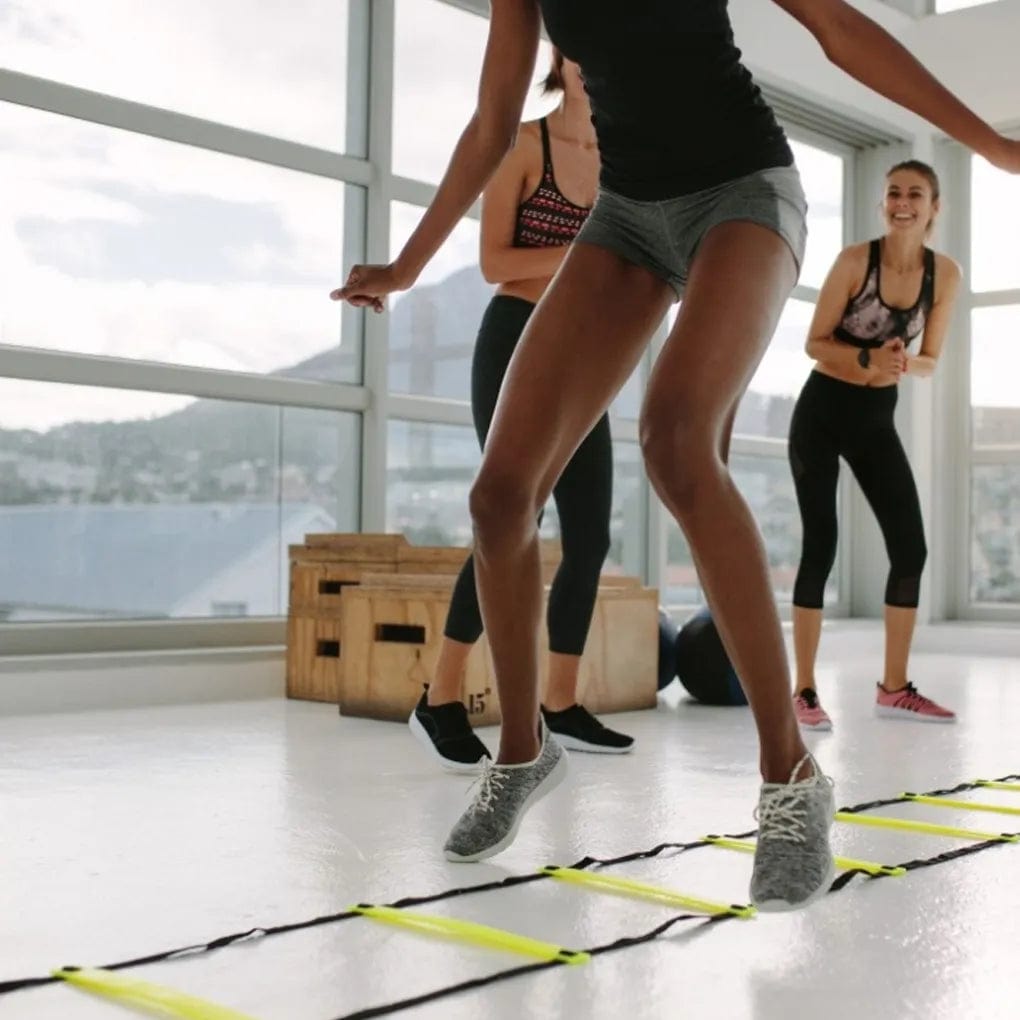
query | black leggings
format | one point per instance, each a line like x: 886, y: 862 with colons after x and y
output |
x: 583, y: 497
x: 834, y: 419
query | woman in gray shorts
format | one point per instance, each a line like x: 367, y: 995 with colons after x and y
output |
x: 698, y: 195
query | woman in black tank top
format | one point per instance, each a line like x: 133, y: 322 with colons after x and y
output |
x: 683, y: 132
x: 879, y: 298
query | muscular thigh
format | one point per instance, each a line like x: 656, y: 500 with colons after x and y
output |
x: 740, y: 279
x: 580, y: 345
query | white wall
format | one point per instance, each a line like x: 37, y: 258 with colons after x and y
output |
x: 76, y: 683
x: 973, y: 52
x: 779, y: 50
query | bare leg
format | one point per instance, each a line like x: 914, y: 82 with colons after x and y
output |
x: 561, y: 690
x: 580, y: 345
x: 899, y: 632
x: 737, y: 287
x: 807, y: 632
x: 447, y: 685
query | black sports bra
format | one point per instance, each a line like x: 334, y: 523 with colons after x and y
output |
x: 869, y: 322
x: 546, y: 219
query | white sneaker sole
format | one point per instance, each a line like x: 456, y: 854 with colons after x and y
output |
x: 458, y: 767
x: 576, y: 744
x: 556, y: 776
x: 888, y: 712
x: 819, y: 727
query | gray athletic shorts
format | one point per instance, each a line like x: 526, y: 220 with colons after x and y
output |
x: 663, y: 236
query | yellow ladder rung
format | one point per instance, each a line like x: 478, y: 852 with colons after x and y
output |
x: 968, y: 805
x: 629, y: 887
x: 843, y: 863
x: 475, y: 934
x: 145, y: 995
x: 993, y: 784
x: 908, y: 825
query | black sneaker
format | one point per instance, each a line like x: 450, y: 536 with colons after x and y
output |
x: 444, y: 731
x: 578, y: 730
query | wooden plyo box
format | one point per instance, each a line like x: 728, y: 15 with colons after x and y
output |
x: 328, y: 565
x: 392, y: 627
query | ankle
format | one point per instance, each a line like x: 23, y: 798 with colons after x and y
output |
x: 558, y: 703
x: 519, y: 748
x: 441, y: 693
x: 778, y: 763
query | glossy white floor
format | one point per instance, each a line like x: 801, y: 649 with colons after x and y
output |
x: 126, y: 832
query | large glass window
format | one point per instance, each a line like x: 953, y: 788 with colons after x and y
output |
x: 995, y: 225
x: 627, y: 516
x: 222, y: 61
x: 133, y: 247
x: 822, y: 176
x: 768, y: 404
x: 767, y: 485
x: 129, y: 505
x: 994, y: 482
x: 995, y: 472
x: 429, y: 471
x: 438, y: 51
x: 944, y: 6
x: 433, y: 326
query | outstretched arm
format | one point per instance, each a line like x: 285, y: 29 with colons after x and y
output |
x: 867, y: 52
x: 506, y: 73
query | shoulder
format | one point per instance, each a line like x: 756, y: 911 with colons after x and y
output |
x: 529, y: 137
x: 526, y: 152
x: 947, y: 268
x: 852, y: 262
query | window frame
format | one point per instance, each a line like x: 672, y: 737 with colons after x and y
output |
x: 370, y: 50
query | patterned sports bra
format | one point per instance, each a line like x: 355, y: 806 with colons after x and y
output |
x: 545, y: 219
x: 869, y: 322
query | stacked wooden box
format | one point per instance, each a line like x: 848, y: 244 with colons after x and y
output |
x: 366, y: 621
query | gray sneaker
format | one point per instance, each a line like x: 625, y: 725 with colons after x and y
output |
x: 793, y: 863
x: 504, y: 793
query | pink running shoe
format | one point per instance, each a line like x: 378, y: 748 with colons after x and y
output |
x: 909, y: 704
x: 809, y: 711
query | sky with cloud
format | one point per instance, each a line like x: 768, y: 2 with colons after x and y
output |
x: 134, y: 247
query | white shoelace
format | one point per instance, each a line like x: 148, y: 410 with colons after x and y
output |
x: 781, y: 815
x: 782, y: 812
x: 489, y: 782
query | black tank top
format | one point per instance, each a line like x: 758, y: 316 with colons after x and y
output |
x: 869, y: 322
x: 675, y: 111
x: 546, y: 219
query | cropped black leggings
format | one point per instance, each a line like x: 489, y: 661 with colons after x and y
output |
x: 583, y: 497
x: 834, y: 419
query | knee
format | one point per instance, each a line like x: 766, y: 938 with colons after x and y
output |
x: 499, y: 502
x: 908, y: 560
x: 818, y: 547
x: 586, y: 546
x: 681, y: 460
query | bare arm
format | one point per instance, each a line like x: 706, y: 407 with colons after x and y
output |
x: 937, y: 324
x: 839, y: 286
x: 837, y: 289
x: 506, y: 72
x: 867, y: 52
x: 501, y: 262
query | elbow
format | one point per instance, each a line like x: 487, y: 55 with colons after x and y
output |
x: 490, y: 270
x: 495, y: 132
x: 493, y: 264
